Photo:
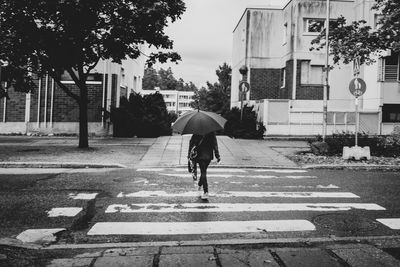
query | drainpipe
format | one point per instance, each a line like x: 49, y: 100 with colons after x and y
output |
x: 104, y: 93
x: 5, y: 104
x: 52, y: 103
x: 45, y: 100
x: 38, y: 108
x: 295, y: 36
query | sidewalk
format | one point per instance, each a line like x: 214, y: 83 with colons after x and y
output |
x: 375, y: 251
x: 61, y: 152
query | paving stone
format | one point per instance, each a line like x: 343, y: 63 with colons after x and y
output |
x: 89, y: 255
x: 307, y: 257
x: 115, y: 252
x: 78, y: 262
x: 366, y: 256
x: 239, y: 258
x: 188, y: 250
x: 184, y: 260
x: 130, y: 261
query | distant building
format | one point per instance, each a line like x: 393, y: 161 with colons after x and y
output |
x: 48, y: 110
x: 176, y: 101
x: 286, y: 79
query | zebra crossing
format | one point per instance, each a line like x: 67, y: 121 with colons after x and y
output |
x: 274, y: 200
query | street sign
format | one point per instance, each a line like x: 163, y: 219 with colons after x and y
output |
x: 356, y: 66
x: 244, y: 86
x: 357, y: 87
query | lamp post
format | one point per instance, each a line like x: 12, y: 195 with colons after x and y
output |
x: 326, y: 83
x: 243, y: 70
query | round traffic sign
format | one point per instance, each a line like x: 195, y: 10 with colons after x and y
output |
x: 357, y: 87
x: 244, y: 86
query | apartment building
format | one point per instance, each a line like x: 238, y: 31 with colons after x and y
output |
x: 176, y: 101
x: 48, y: 110
x: 286, y: 78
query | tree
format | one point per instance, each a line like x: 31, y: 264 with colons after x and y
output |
x: 150, y: 79
x: 357, y: 39
x: 165, y: 80
x: 57, y: 36
x: 216, y: 97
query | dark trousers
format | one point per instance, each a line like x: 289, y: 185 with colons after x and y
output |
x: 203, y: 174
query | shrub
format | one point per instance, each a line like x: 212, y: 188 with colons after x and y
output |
x: 142, y: 116
x: 387, y: 146
x: 248, y: 128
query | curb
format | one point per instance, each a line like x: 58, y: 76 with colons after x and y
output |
x: 12, y: 243
x: 371, y: 167
x: 62, y: 165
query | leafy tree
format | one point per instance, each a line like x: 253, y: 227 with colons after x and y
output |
x: 57, y: 36
x: 216, y: 97
x: 165, y: 80
x: 150, y: 79
x: 357, y: 39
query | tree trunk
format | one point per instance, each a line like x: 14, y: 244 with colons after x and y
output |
x: 83, y: 117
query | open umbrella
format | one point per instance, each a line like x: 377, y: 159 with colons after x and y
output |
x: 199, y: 122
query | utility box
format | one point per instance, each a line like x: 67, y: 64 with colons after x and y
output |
x: 356, y: 152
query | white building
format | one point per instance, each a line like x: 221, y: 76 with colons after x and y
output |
x: 286, y: 78
x: 176, y: 101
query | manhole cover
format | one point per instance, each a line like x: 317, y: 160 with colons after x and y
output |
x: 348, y: 223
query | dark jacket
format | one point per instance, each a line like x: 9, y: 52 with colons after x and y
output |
x: 207, y: 146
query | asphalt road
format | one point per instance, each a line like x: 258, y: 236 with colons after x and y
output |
x: 237, y: 195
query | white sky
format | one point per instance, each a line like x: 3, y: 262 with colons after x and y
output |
x: 203, y: 37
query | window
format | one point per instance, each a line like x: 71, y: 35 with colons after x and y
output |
x: 311, y: 74
x: 282, y: 81
x: 314, y: 25
x: 391, y: 113
x: 391, y: 67
x: 91, y: 77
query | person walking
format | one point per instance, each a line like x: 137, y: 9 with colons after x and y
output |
x: 206, y: 146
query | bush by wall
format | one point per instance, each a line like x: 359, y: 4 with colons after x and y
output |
x: 386, y: 146
x: 142, y: 116
x: 248, y: 128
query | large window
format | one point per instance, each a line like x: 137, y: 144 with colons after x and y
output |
x: 391, y: 113
x: 314, y: 25
x: 391, y: 67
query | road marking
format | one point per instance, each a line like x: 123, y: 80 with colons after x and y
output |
x: 244, y: 194
x: 392, y: 223
x: 66, y: 212
x: 191, y: 228
x: 237, y: 207
x: 242, y: 176
x: 39, y: 235
x: 224, y: 170
x: 280, y: 171
x: 84, y: 196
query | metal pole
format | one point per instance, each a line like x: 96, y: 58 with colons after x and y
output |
x: 357, y: 121
x: 326, y: 83
x: 241, y: 105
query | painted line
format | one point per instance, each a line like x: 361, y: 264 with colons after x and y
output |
x: 244, y: 194
x: 65, y: 212
x: 83, y: 196
x: 199, y: 228
x: 242, y: 176
x: 210, y: 170
x: 39, y: 235
x: 281, y: 171
x: 237, y: 207
x: 392, y: 223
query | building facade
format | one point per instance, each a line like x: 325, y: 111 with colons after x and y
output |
x: 48, y: 110
x: 286, y: 78
x: 178, y: 102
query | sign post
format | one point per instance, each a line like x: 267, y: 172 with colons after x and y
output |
x: 357, y: 88
x: 244, y: 87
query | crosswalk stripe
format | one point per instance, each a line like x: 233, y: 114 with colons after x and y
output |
x: 236, y: 207
x: 392, y: 223
x: 243, y: 176
x: 209, y: 227
x: 254, y: 194
x: 83, y: 196
x: 280, y: 171
x: 224, y: 170
x: 65, y: 212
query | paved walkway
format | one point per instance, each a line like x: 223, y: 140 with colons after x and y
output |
x: 140, y: 152
x: 173, y: 150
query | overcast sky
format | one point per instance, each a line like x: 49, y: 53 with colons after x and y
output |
x: 203, y: 37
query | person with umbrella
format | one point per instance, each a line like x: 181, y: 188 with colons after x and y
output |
x: 206, y: 146
x: 203, y: 144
